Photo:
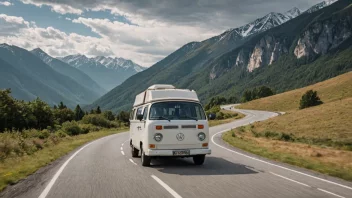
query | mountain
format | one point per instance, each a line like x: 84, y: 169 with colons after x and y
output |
x: 67, y: 70
x: 29, y: 77
x: 320, y: 5
x: 306, y: 49
x: 107, y: 72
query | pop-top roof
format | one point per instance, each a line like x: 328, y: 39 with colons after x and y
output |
x: 161, y: 86
x: 164, y: 92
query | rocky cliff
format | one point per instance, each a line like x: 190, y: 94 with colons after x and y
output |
x: 323, y: 36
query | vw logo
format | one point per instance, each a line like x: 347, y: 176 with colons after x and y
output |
x: 180, y: 136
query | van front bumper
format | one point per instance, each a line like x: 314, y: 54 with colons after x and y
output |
x: 163, y: 152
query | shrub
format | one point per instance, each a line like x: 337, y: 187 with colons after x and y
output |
x: 71, y: 128
x: 309, y: 99
x: 286, y: 137
x: 97, y: 120
x: 44, y: 134
x: 270, y: 134
x: 61, y: 134
x: 219, y: 115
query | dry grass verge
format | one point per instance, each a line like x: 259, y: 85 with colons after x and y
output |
x: 329, y: 161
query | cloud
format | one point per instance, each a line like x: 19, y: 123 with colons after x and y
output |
x: 6, y: 3
x: 69, y: 19
x: 218, y: 14
x: 11, y: 24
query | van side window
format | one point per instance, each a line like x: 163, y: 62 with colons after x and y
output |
x: 145, y: 113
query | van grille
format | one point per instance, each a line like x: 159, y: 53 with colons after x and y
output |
x: 188, y: 126
x: 171, y: 127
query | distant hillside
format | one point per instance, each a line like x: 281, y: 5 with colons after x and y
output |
x: 336, y: 88
x: 107, y: 72
x: 29, y: 77
x: 67, y: 70
x: 309, y: 48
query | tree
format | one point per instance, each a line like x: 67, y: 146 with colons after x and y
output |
x: 264, y: 91
x: 232, y: 100
x: 42, y: 113
x: 247, y: 96
x: 62, y: 106
x: 215, y: 101
x: 79, y: 113
x: 309, y: 99
x: 98, y: 111
x: 92, y: 111
x: 109, y: 115
x: 63, y: 115
x: 123, y: 116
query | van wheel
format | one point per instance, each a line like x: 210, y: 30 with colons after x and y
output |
x: 199, y: 159
x: 134, y: 151
x: 145, y: 159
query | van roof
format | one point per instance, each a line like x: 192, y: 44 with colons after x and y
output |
x: 161, y: 92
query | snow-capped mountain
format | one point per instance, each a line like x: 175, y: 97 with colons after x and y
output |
x: 101, y: 61
x: 42, y: 55
x: 106, y: 71
x: 320, y: 5
x: 269, y: 21
x: 118, y: 63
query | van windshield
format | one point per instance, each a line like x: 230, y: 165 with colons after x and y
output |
x: 175, y: 110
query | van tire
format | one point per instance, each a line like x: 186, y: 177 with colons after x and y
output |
x: 134, y: 151
x: 145, y: 159
x: 198, y: 159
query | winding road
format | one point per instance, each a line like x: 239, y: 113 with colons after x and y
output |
x: 105, y: 168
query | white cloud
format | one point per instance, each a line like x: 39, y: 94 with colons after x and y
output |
x: 55, y: 7
x: 69, y: 19
x: 6, y: 3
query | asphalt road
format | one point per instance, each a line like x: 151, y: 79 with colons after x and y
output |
x: 105, y: 168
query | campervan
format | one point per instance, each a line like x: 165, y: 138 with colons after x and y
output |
x: 169, y: 122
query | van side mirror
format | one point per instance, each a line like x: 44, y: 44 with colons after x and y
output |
x: 140, y: 117
x: 212, y: 116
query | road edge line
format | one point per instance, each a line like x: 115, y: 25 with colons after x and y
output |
x: 167, y: 187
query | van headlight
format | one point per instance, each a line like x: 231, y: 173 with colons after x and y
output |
x: 201, y: 136
x: 158, y: 137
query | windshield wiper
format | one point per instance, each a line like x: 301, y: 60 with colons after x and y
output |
x: 163, y: 118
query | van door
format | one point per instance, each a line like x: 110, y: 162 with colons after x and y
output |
x: 138, y: 129
x: 132, y: 124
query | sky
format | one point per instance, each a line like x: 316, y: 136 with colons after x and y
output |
x: 144, y: 31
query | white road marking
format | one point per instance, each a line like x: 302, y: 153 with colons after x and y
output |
x: 123, y: 153
x: 253, y: 158
x: 170, y: 190
x: 57, y: 174
x: 330, y: 193
x: 121, y: 148
x: 133, y: 162
x: 290, y: 179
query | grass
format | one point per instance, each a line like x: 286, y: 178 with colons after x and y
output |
x: 334, y: 89
x: 16, y: 168
x: 236, y: 115
x: 329, y: 161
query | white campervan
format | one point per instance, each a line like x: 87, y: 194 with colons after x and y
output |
x: 166, y: 121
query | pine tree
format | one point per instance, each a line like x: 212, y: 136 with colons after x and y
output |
x: 98, y: 111
x: 78, y: 113
x: 62, y: 106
